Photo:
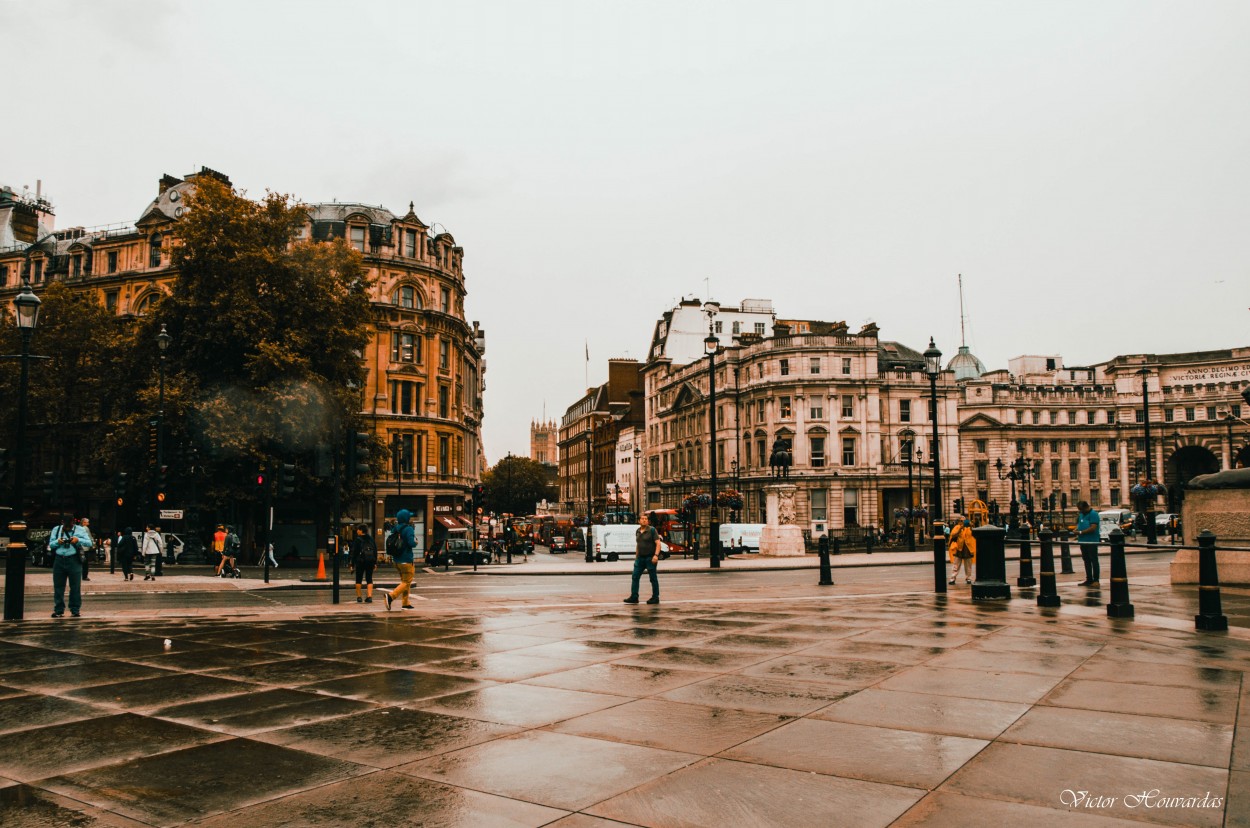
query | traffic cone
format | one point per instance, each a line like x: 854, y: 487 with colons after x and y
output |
x: 321, y: 566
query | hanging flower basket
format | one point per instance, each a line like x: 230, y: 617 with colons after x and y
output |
x: 916, y: 513
x: 729, y: 499
x: 1148, y: 490
x: 700, y: 500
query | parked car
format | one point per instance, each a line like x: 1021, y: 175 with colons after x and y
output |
x: 459, y: 552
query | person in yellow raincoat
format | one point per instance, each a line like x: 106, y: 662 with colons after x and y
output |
x: 962, y: 548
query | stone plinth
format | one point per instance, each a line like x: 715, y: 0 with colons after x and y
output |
x: 781, y: 535
x: 1226, y: 513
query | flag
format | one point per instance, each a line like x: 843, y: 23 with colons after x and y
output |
x: 588, y: 350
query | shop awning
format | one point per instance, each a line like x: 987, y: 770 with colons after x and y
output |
x: 451, y: 524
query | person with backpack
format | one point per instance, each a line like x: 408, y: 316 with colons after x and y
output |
x: 962, y: 548
x: 364, y: 557
x: 229, y: 555
x: 153, y: 549
x: 400, y: 546
x: 127, y: 549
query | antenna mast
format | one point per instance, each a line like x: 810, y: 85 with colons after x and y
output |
x: 963, y: 339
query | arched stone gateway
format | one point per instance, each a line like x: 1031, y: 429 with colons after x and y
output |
x: 1187, y: 462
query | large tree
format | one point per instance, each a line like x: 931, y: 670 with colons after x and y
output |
x: 265, y: 363
x: 516, y: 484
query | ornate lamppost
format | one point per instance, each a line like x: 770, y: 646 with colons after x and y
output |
x: 933, y: 367
x: 26, y: 305
x: 637, y: 484
x: 711, y: 344
x: 590, y: 442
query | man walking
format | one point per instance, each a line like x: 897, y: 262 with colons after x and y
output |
x: 403, y: 559
x: 1088, y: 535
x: 153, y: 548
x: 69, y: 543
x: 646, y: 556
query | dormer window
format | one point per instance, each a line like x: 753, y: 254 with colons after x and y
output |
x: 357, y: 237
x: 410, y: 243
x: 154, y: 250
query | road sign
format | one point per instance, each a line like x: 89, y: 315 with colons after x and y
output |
x: 171, y: 514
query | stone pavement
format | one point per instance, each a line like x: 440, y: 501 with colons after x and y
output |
x: 825, y: 709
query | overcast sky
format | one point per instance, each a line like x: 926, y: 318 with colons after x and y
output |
x: 1083, y: 164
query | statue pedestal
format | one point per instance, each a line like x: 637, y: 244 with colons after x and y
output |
x: 781, y: 536
x: 1226, y: 512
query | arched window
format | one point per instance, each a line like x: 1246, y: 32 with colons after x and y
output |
x: 407, y: 296
x: 154, y: 250
x: 146, y: 303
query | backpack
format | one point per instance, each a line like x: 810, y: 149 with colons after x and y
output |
x: 394, y: 544
x: 368, y: 553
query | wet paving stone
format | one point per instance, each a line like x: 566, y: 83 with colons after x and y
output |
x: 584, y: 650
x: 946, y: 715
x: 716, y: 793
x: 384, y: 738
x: 295, y: 671
x: 6, y: 692
x: 79, y: 637
x: 774, y: 644
x: 506, y: 666
x: 1042, y: 776
x: 160, y: 692
x: 55, y: 679
x: 1009, y: 640
x: 201, y: 660
x: 406, y: 656
x: 32, y: 711
x: 689, y: 728
x: 873, y: 651
x: 720, y: 624
x: 385, y: 799
x: 652, y: 636
x: 933, y: 638
x: 838, y: 672
x: 318, y: 646
x: 23, y: 806
x: 396, y: 686
x: 551, y: 769
x: 1042, y: 664
x: 1101, y: 668
x: 201, y: 781
x: 875, y: 754
x: 1146, y: 737
x: 1205, y: 705
x: 948, y: 810
x: 763, y: 695
x: 145, y: 649
x: 697, y: 658
x: 994, y: 686
x: 620, y: 679
x: 523, y: 705
x: 265, y: 710
x: 70, y: 747
x: 35, y: 658
x: 491, y: 642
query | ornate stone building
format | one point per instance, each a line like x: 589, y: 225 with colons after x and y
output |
x: 423, y: 396
x: 591, y: 437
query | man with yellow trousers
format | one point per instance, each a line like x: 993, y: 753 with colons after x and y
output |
x: 405, y: 563
x: 962, y: 548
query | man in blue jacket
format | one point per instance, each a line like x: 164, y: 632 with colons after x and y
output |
x: 404, y: 561
x: 67, y: 542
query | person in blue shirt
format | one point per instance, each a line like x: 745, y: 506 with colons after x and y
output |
x: 404, y: 560
x: 68, y: 541
x: 1088, y: 535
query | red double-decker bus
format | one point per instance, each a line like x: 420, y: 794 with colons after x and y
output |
x: 674, y: 531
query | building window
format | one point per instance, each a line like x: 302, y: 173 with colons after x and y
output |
x: 848, y: 405
x: 818, y: 452
x: 904, y: 449
x: 1139, y: 415
x: 444, y: 300
x: 817, y: 411
x: 154, y: 250
x: 846, y: 366
x: 1074, y: 470
x: 1037, y: 417
x: 784, y: 403
x: 1054, y: 417
x: 1091, y: 417
x: 1168, y: 415
x: 444, y: 455
x: 1113, y: 471
x: 813, y: 366
x: 1093, y: 446
x: 1190, y: 414
x: 1054, y: 446
x: 820, y: 505
x: 759, y: 410
x: 1093, y: 469
x: 444, y: 354
x: 785, y: 367
x: 1236, y: 408
x: 358, y: 238
x: 1211, y: 415
x: 406, y: 296
x: 110, y: 301
x: 982, y: 445
x: 112, y: 261
x: 761, y: 452
x: 737, y: 327
x: 904, y: 411
x: 1115, y: 495
x: 444, y: 407
x: 75, y: 270
x: 405, y: 397
x: 848, y: 451
x: 402, y: 453
x: 1019, y: 446
x: 410, y: 243
x: 983, y: 470
x: 720, y: 326
x: 850, y: 507
x: 759, y: 328
x: 405, y: 347
x: 1054, y: 470
x: 1072, y: 447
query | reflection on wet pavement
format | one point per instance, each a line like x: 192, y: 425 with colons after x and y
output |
x: 855, y: 711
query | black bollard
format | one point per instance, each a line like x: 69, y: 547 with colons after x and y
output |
x: 15, y: 572
x: 1026, y: 578
x: 334, y: 589
x: 1065, y: 554
x: 1049, y: 594
x: 826, y: 572
x: 991, y: 582
x: 1210, y: 615
x: 837, y: 546
x: 1119, y: 606
x: 266, y: 554
x: 868, y: 544
x: 939, y: 560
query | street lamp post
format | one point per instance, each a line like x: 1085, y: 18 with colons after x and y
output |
x: 911, y: 505
x: 162, y: 342
x: 733, y: 466
x: 933, y: 367
x: 590, y: 442
x: 1152, y: 535
x: 637, y: 483
x: 711, y: 345
x: 1013, y: 522
x: 26, y: 306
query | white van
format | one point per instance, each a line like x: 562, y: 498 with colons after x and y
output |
x: 613, y: 542
x: 735, y: 536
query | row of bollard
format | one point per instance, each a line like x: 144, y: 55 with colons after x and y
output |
x: 991, y: 581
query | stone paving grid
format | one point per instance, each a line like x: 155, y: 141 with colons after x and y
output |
x: 852, y: 711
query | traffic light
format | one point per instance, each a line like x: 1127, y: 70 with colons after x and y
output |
x: 4, y: 463
x: 1063, y: 500
x: 286, y: 479
x: 959, y: 505
x: 162, y: 480
x: 49, y: 486
x: 260, y: 480
x: 357, y: 454
x: 479, y: 496
x: 120, y: 480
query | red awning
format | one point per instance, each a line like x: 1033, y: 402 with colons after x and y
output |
x: 451, y: 524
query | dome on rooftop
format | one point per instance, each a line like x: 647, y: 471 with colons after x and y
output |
x: 965, y: 365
